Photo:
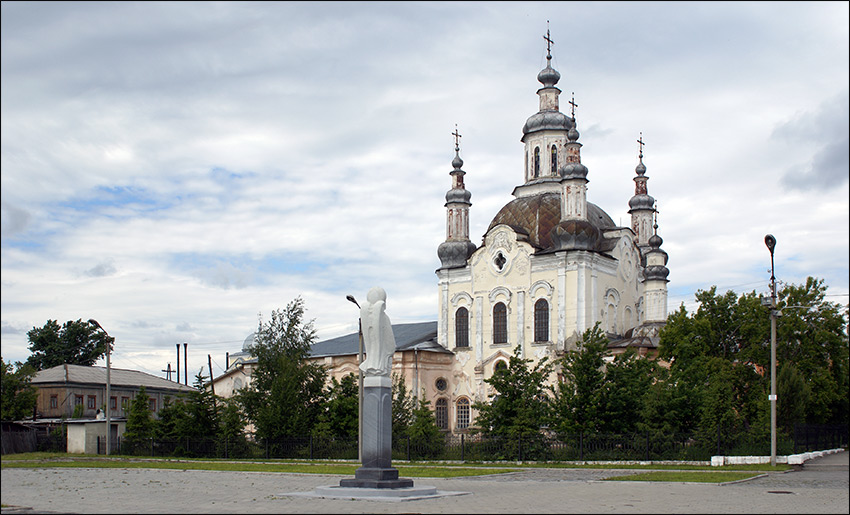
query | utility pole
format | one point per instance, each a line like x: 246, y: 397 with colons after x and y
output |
x: 770, y: 241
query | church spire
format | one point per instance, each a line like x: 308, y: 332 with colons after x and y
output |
x: 641, y: 205
x: 457, y: 248
x: 655, y: 277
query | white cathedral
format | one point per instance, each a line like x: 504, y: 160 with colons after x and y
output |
x: 551, y: 265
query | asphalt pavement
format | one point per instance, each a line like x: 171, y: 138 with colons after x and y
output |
x: 818, y: 486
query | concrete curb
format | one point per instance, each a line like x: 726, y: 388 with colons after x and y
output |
x: 791, y: 459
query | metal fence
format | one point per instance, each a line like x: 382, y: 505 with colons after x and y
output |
x: 529, y: 447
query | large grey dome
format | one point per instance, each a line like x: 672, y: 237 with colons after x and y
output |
x: 249, y: 341
x: 641, y: 201
x: 537, y: 215
x: 547, y: 120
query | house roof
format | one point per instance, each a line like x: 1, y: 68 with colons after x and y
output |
x: 420, y: 336
x: 79, y: 374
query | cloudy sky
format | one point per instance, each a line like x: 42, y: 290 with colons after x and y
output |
x: 175, y: 170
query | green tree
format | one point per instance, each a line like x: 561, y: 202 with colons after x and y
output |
x: 426, y: 439
x: 403, y: 405
x: 791, y: 387
x: 521, y: 405
x: 285, y: 397
x: 578, y: 399
x: 75, y: 343
x: 627, y: 383
x: 341, y: 409
x: 18, y: 395
x: 140, y: 422
x: 201, y: 420
x: 172, y: 416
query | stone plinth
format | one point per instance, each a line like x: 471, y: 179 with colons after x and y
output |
x: 376, y: 470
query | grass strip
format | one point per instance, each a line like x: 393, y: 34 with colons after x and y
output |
x: 292, y: 468
x: 686, y: 477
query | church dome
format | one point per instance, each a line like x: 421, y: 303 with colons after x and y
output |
x: 548, y: 76
x: 249, y: 340
x: 458, y: 195
x: 537, y: 215
x: 547, y: 120
x: 641, y: 201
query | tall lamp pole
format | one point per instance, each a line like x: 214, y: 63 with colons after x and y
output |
x: 770, y: 241
x: 108, y: 367
x: 351, y: 298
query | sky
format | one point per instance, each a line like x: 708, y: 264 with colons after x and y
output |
x: 177, y: 171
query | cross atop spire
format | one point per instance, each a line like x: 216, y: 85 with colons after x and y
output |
x: 549, y: 42
x: 573, y: 105
x: 641, y: 144
x: 457, y: 136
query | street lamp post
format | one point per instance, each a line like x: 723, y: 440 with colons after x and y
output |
x: 770, y: 241
x: 351, y: 298
x: 108, y: 367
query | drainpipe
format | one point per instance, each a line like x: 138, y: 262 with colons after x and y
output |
x: 416, y: 375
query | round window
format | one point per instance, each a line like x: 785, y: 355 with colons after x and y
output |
x: 441, y: 384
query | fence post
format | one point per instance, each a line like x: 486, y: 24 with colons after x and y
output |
x: 520, y: 446
x: 267, y: 448
x: 581, y: 446
x: 718, y: 440
x: 225, y: 448
x: 408, y: 447
x: 647, y: 446
x: 461, y: 448
x: 98, y: 444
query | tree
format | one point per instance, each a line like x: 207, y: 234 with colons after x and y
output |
x: 18, y: 395
x: 578, y: 399
x: 720, y: 358
x: 75, y: 343
x: 425, y: 437
x: 627, y: 383
x: 201, y: 420
x: 403, y: 405
x: 521, y: 405
x: 140, y: 423
x: 286, y: 396
x: 339, y: 418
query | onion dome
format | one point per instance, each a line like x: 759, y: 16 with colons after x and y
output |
x: 574, y: 171
x: 575, y: 235
x: 641, y: 200
x: 548, y: 76
x: 547, y: 120
x: 454, y: 253
x: 656, y: 259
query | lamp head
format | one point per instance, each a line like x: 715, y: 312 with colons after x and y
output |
x: 93, y: 322
x: 350, y: 298
x: 770, y: 241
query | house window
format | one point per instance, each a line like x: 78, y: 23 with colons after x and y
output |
x: 113, y: 403
x: 500, y: 323
x: 125, y: 403
x: 442, y: 413
x: 536, y: 162
x: 554, y: 160
x: 78, y: 400
x: 54, y: 401
x: 92, y: 402
x: 462, y: 328
x: 541, y: 321
x: 152, y: 404
x: 500, y: 367
x: 462, y: 413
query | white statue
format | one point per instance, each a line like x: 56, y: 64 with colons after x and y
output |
x: 378, y: 336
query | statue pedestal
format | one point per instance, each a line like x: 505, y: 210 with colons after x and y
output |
x: 376, y: 470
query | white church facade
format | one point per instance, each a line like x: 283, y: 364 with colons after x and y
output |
x: 551, y: 265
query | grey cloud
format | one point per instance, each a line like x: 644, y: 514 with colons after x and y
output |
x: 829, y: 166
x: 185, y: 327
x: 101, y: 269
x: 14, y: 219
x: 8, y: 329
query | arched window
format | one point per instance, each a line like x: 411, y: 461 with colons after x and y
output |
x: 442, y: 413
x: 554, y: 160
x: 500, y: 323
x: 462, y: 328
x: 536, y: 162
x: 541, y: 321
x: 462, y: 414
x: 499, y: 367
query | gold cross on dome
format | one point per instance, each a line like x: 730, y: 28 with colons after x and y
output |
x: 549, y: 42
x: 457, y: 136
x: 574, y: 105
x: 641, y: 143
